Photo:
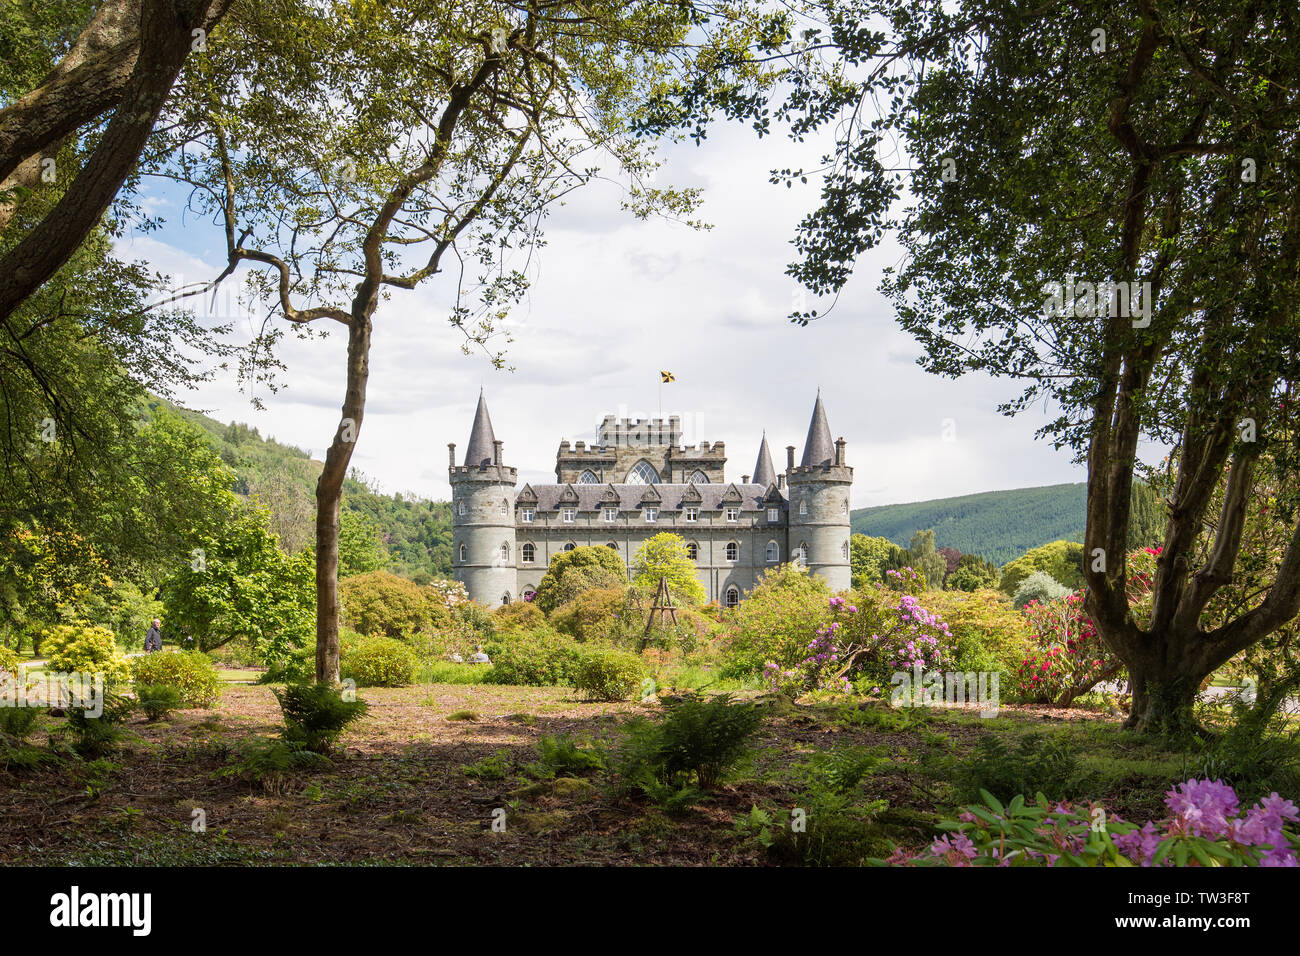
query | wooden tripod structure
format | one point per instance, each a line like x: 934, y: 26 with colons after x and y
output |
x: 663, y: 606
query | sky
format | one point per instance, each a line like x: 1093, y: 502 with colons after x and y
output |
x: 613, y: 301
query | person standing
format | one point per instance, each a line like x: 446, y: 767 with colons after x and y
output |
x: 153, y: 640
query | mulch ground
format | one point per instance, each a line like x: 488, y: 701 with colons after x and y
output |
x: 397, y: 791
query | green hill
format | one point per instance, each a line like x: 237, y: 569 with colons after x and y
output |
x: 415, y: 531
x: 998, y: 525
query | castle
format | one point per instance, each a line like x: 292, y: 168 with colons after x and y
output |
x: 636, y: 481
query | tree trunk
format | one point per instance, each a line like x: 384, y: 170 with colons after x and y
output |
x: 329, y: 495
x: 1165, y: 682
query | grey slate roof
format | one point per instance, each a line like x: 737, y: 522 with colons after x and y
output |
x: 480, y: 450
x: 712, y: 497
x: 818, y: 449
x: 764, y: 473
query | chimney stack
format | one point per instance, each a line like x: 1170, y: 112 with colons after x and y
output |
x: 789, y: 458
x: 839, y: 451
x: 451, y: 454
x: 496, y: 451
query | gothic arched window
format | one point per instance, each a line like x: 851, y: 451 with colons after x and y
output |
x: 773, y: 552
x: 464, y: 553
x: 460, y: 507
x: 643, y: 473
x: 733, y: 597
x: 693, y: 551
x: 801, y: 555
x: 733, y: 551
x: 699, y: 478
x: 803, y: 506
x: 844, y: 550
x: 505, y: 553
x: 529, y: 553
x: 588, y: 477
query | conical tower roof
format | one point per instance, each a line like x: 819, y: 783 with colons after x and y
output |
x: 764, y: 473
x: 818, y: 449
x: 480, y: 450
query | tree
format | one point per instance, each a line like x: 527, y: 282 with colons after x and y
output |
x: 126, y: 59
x: 922, y: 556
x: 360, y: 547
x: 1063, y: 560
x: 870, y: 557
x: 582, y: 569
x: 972, y: 573
x: 240, y: 585
x: 664, y: 555
x: 416, y: 133
x: 1103, y: 207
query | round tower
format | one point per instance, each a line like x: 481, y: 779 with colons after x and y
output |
x: 819, y: 503
x: 483, y: 516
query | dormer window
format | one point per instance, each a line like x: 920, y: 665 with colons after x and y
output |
x: 773, y: 515
x: 569, y: 515
x: 733, y: 513
x: 691, y: 514
x: 526, y: 515
x: 611, y: 515
x: 651, y: 515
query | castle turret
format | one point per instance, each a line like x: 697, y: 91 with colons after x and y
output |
x: 483, y: 515
x: 819, y: 503
x: 764, y: 473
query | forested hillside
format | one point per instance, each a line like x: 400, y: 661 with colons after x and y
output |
x: 416, y: 532
x: 999, y: 525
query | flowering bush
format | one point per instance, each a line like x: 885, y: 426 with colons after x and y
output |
x: 1205, y: 827
x: 884, y: 633
x: 1069, y: 657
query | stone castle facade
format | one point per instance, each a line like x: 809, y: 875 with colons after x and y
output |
x: 636, y: 481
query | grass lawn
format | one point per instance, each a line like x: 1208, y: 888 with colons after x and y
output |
x: 418, y: 779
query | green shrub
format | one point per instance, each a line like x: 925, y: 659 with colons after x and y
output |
x: 380, y: 602
x: 379, y: 662
x: 582, y: 569
x: 157, y: 700
x: 94, y: 736
x: 9, y: 661
x: 1036, y: 765
x: 776, y: 621
x: 674, y: 760
x: 561, y: 756
x: 608, y: 674
x: 539, y: 658
x: 497, y: 766
x: 1041, y: 587
x: 87, y: 649
x: 1063, y: 560
x: 191, y: 673
x: 18, y: 721
x: 315, y: 715
x: 988, y: 633
x: 1259, y: 752
x: 519, y: 616
x: 594, y: 614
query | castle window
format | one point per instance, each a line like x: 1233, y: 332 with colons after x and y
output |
x: 692, y: 514
x: 526, y: 515
x: 844, y: 550
x: 529, y: 553
x: 612, y: 546
x: 505, y: 507
x: 611, y: 515
x: 693, y: 551
x: 643, y: 473
x: 733, y: 514
x: 803, y: 506
x: 570, y: 546
x: 733, y: 551
x: 505, y: 598
x: 530, y: 594
x: 505, y: 553
x: 801, y: 554
x: 773, y: 515
x: 464, y: 553
x: 569, y: 515
x: 773, y: 552
x: 844, y: 507
x: 652, y: 515
x: 460, y: 508
x: 732, y: 597
x: 588, y: 477
x: 699, y: 478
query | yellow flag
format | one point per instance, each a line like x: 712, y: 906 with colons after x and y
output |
x: 666, y: 377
